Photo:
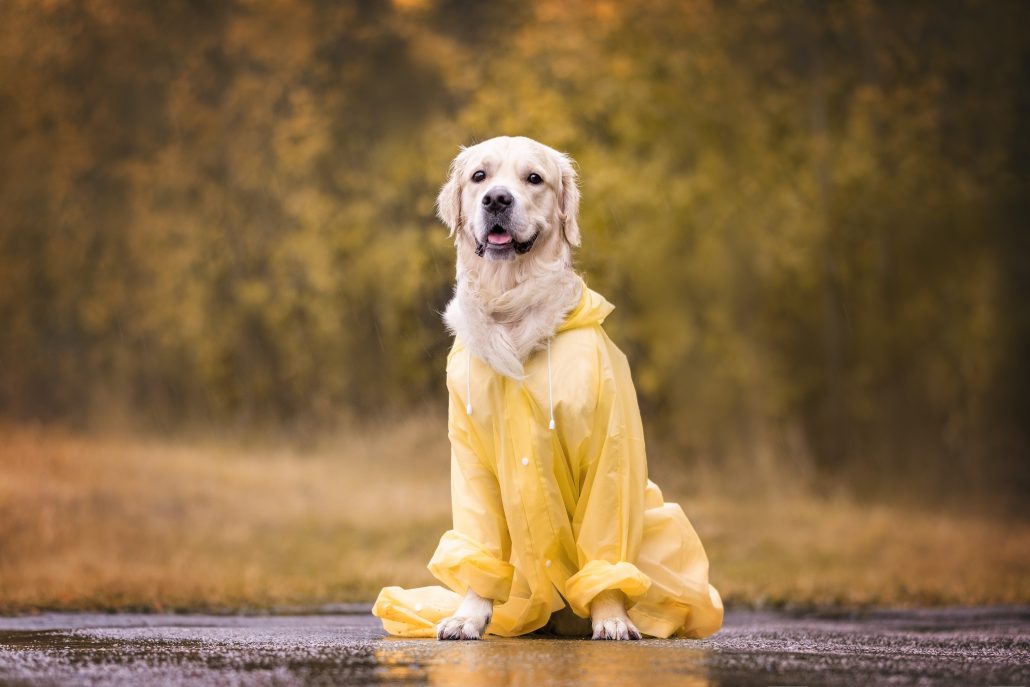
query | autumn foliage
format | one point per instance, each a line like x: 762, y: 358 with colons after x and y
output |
x: 811, y: 216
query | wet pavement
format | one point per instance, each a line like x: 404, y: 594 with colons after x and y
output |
x: 929, y: 647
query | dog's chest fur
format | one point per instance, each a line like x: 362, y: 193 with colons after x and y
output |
x: 503, y: 327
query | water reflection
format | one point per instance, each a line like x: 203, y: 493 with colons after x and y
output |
x: 539, y: 662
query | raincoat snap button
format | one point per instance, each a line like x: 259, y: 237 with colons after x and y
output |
x: 525, y: 461
x: 418, y: 607
x: 547, y: 563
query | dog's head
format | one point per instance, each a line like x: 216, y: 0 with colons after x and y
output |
x: 509, y: 195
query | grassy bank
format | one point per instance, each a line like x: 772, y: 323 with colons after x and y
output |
x: 120, y: 522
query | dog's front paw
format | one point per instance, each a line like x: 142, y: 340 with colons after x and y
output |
x: 615, y: 628
x: 462, y: 627
x: 608, y: 617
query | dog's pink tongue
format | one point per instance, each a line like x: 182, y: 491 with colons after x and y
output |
x: 499, y: 238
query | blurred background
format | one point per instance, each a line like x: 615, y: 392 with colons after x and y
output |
x: 221, y: 278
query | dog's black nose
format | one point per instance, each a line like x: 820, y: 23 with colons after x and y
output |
x: 497, y: 199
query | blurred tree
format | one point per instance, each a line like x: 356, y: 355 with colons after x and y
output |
x: 811, y: 215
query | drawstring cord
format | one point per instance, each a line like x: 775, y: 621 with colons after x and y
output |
x: 550, y: 397
x: 550, y: 392
x: 468, y: 384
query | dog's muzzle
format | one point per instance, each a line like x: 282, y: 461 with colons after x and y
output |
x: 497, y: 208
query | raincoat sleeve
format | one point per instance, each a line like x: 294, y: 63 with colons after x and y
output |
x: 609, y: 520
x: 475, y: 553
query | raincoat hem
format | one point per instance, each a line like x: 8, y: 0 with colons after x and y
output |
x: 462, y: 564
x: 599, y: 576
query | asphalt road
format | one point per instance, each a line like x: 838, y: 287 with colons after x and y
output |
x: 929, y: 647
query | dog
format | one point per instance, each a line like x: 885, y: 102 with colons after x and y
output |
x: 556, y: 526
x: 515, y: 227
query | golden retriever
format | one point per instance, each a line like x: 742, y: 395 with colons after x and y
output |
x: 512, y: 204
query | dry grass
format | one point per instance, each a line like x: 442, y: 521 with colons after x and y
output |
x: 115, y: 522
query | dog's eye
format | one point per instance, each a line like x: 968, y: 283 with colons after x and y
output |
x: 535, y: 178
x: 479, y: 176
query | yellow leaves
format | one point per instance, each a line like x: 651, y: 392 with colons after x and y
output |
x: 274, y: 31
x: 405, y: 5
x: 253, y: 295
x: 303, y: 135
x: 250, y: 197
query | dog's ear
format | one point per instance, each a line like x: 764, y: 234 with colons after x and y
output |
x: 448, y: 203
x: 568, y: 197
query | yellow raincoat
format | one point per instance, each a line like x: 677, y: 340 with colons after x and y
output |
x: 545, y: 517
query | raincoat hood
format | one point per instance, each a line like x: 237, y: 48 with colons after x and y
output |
x: 592, y: 309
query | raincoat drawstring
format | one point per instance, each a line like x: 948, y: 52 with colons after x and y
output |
x: 468, y: 384
x: 550, y: 396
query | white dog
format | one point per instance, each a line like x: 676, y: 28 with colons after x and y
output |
x: 554, y: 517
